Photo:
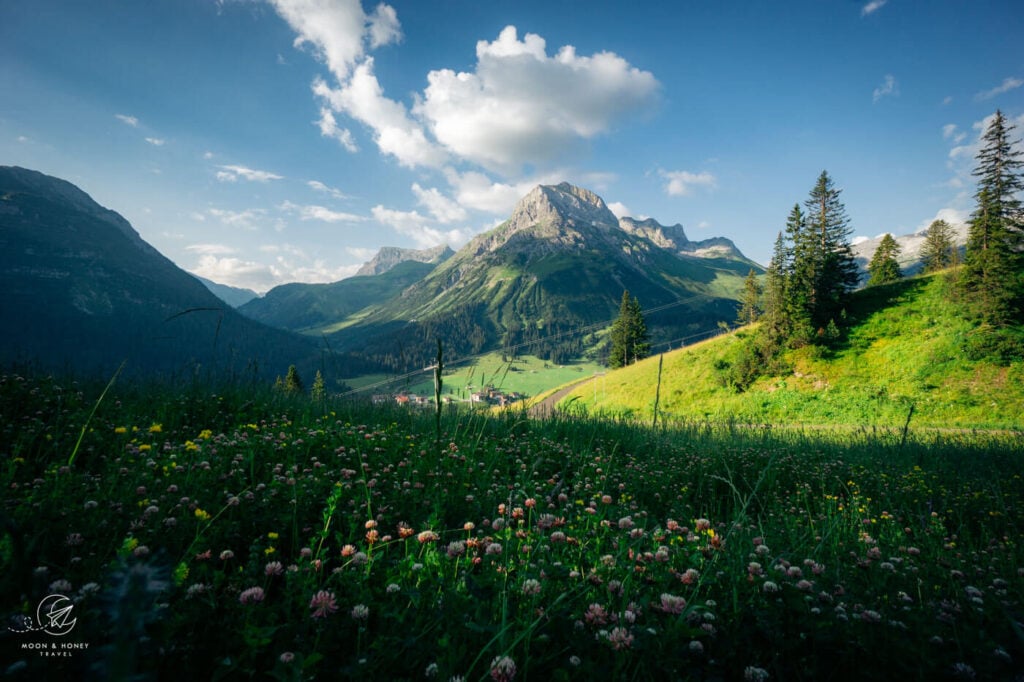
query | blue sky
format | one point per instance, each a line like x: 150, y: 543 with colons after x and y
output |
x: 257, y: 142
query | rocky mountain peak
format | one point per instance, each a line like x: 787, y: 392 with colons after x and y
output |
x: 390, y: 256
x: 555, y: 205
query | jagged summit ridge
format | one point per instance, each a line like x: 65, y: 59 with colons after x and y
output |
x: 553, y: 205
x: 390, y: 256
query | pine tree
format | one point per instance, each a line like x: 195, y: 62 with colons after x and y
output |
x: 775, y: 319
x: 750, y: 304
x: 938, y: 252
x: 837, y: 273
x: 993, y: 263
x: 884, y: 267
x: 629, y: 337
x: 805, y: 258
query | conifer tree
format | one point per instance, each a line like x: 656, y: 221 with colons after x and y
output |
x: 938, y: 252
x: 992, y: 266
x: 802, y: 278
x: 629, y: 336
x: 775, y: 320
x: 750, y: 304
x: 884, y: 267
x: 836, y: 274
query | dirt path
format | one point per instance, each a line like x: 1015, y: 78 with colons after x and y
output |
x: 546, y: 407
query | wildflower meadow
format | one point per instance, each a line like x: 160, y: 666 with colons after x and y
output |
x: 231, y: 533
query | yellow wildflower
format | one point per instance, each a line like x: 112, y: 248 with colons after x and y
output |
x: 202, y: 515
x: 156, y: 428
x: 121, y: 429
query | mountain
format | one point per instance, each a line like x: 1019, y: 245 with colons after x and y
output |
x: 233, y: 296
x: 312, y: 307
x: 82, y: 291
x: 548, y: 277
x: 902, y: 357
x: 390, y: 256
x: 910, y: 250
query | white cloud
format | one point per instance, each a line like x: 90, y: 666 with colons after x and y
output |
x: 949, y: 132
x: 872, y: 7
x: 1007, y: 85
x: 22, y: 139
x: 703, y: 225
x: 321, y: 187
x: 329, y: 128
x: 441, y: 207
x: 682, y: 183
x: 337, y: 30
x: 394, y: 131
x: 233, y: 173
x: 207, y: 155
x: 320, y: 213
x: 888, y: 87
x: 521, y: 106
x: 128, y: 120
x: 243, y: 219
x: 384, y: 27
x: 418, y: 228
x: 237, y: 272
x: 361, y: 253
x: 953, y: 216
x: 210, y: 249
x: 619, y: 209
x: 156, y: 141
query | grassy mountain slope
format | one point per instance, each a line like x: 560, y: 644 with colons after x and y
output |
x: 82, y: 291
x: 309, y: 308
x: 903, y: 349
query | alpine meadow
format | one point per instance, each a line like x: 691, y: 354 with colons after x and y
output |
x: 388, y: 371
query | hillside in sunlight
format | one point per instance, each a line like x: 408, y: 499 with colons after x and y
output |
x: 902, y: 350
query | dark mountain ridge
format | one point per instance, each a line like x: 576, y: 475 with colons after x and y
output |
x: 84, y: 292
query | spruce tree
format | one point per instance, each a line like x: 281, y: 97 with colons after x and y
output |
x: 837, y: 273
x: 801, y: 278
x: 775, y: 318
x: 937, y: 252
x: 884, y: 267
x: 992, y: 266
x: 750, y: 304
x: 629, y: 339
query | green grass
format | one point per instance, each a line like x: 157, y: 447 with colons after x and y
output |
x: 237, y: 533
x: 904, y: 349
x: 527, y: 375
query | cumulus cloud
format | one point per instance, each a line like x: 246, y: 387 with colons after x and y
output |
x: 337, y: 32
x: 233, y: 173
x: 394, y: 130
x: 384, y: 27
x: 127, y: 120
x: 872, y: 7
x: 329, y: 128
x: 1007, y: 85
x: 321, y: 187
x: 361, y: 253
x: 156, y: 141
x: 683, y: 183
x: 321, y: 213
x: 419, y: 228
x: 953, y: 216
x: 619, y: 209
x: 441, y: 207
x: 236, y: 272
x: 522, y: 106
x: 888, y: 87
